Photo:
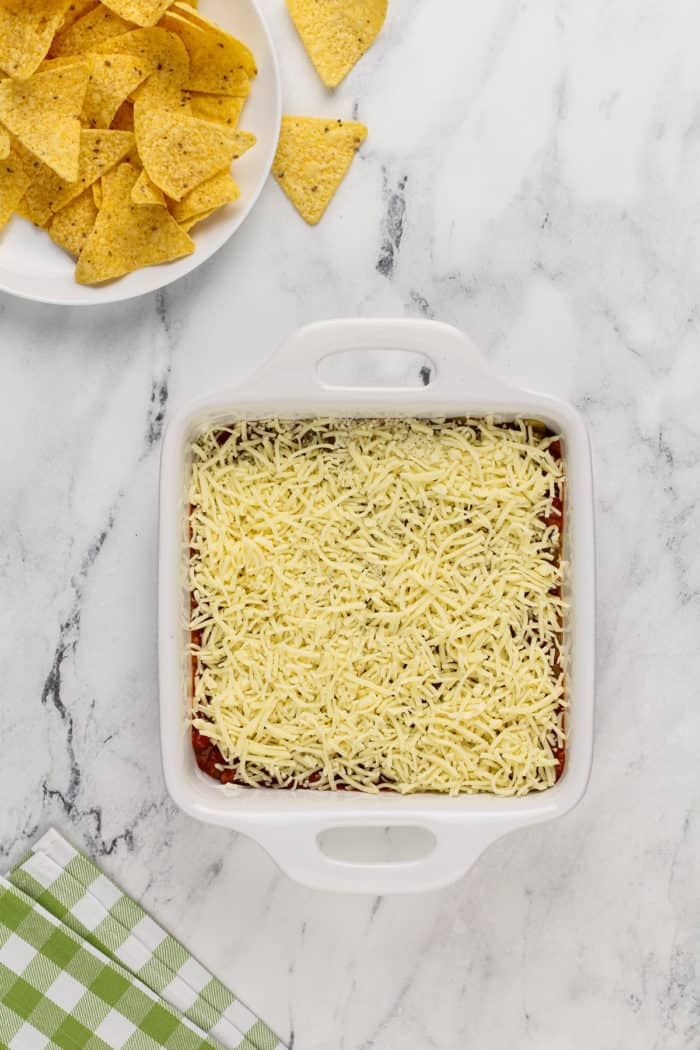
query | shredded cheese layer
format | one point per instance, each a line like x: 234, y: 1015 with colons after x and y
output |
x: 377, y: 604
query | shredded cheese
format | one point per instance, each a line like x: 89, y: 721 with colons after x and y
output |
x: 377, y: 604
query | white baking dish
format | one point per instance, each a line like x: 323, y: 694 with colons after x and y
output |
x: 288, y: 824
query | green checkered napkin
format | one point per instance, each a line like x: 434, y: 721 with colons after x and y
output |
x: 65, y: 889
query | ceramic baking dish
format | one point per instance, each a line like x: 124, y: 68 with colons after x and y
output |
x: 288, y: 824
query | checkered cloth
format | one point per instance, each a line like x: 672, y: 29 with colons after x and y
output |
x: 82, y: 965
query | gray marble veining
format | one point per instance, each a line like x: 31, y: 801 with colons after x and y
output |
x: 531, y: 175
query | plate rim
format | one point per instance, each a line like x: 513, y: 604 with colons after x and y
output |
x: 113, y: 288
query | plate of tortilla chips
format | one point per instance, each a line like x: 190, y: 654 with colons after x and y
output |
x: 135, y: 137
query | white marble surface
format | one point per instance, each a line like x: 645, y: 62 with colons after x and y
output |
x: 532, y: 175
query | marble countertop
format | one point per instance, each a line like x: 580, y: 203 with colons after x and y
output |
x: 532, y: 175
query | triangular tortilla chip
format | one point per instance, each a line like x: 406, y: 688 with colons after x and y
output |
x: 97, y: 193
x: 145, y: 192
x: 142, y: 12
x: 127, y: 236
x: 15, y: 177
x: 99, y: 152
x: 112, y: 79
x: 208, y: 196
x: 241, y: 141
x: 166, y: 55
x: 178, y: 151
x: 221, y: 109
x: 245, y: 55
x: 5, y: 144
x: 62, y: 62
x: 219, y: 63
x: 75, y: 10
x: 71, y: 227
x: 43, y: 112
x: 27, y: 28
x: 87, y: 32
x: 336, y: 33
x: 187, y: 224
x: 312, y: 158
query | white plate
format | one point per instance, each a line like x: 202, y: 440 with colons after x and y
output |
x: 33, y: 267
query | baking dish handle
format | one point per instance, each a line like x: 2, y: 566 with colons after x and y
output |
x: 297, y: 850
x: 458, y: 365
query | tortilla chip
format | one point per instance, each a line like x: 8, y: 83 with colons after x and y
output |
x: 97, y: 193
x: 221, y: 109
x: 124, y: 118
x: 178, y: 151
x: 127, y: 236
x: 112, y: 78
x: 194, y: 219
x: 71, y: 227
x: 220, y: 189
x: 5, y: 144
x: 15, y: 177
x: 27, y: 28
x: 35, y: 205
x: 219, y: 63
x: 26, y: 210
x: 43, y: 112
x: 313, y: 156
x: 88, y: 32
x: 190, y: 12
x: 165, y: 54
x: 336, y: 33
x: 142, y: 12
x: 75, y: 10
x: 145, y: 192
x: 99, y: 151
x: 61, y: 63
x: 241, y: 141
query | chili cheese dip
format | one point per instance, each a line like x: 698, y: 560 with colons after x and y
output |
x: 377, y: 605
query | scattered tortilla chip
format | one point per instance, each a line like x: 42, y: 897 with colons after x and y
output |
x: 142, y: 12
x: 336, y: 33
x: 70, y: 228
x: 165, y: 54
x: 43, y: 112
x: 27, y: 28
x: 178, y: 151
x: 97, y: 193
x: 221, y: 109
x: 15, y: 177
x: 313, y: 156
x: 5, y: 144
x: 220, y: 189
x: 219, y: 63
x: 127, y: 236
x: 124, y: 118
x: 145, y: 192
x: 88, y: 32
x: 112, y: 78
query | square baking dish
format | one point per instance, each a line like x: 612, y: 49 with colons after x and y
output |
x: 288, y: 824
